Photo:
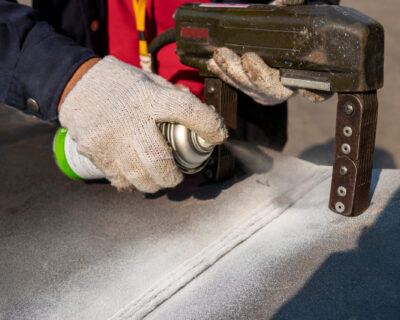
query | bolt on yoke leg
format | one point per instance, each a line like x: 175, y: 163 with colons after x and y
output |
x: 354, y: 147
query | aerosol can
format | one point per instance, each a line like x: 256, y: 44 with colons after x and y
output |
x: 190, y: 152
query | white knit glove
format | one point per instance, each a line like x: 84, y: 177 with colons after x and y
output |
x: 112, y: 113
x: 254, y: 77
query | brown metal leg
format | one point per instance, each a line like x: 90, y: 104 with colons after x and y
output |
x: 354, y: 147
x: 224, y: 98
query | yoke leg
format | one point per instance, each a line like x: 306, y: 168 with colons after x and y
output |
x: 224, y: 98
x: 354, y: 148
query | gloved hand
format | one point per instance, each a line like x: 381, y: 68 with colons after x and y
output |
x: 112, y: 113
x: 254, y: 77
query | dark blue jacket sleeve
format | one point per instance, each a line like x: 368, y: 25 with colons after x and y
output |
x: 35, y: 61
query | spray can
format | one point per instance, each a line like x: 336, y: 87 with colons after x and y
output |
x: 190, y: 151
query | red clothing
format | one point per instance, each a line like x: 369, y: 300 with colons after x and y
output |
x: 124, y: 39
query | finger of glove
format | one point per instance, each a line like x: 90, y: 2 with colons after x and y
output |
x: 156, y: 157
x: 141, y: 181
x: 265, y: 78
x: 257, y: 79
x: 267, y: 100
x: 214, y: 68
x: 121, y: 183
x: 230, y: 64
x: 185, y: 108
x: 315, y: 95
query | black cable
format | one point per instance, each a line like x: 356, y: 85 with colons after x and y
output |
x: 158, y: 42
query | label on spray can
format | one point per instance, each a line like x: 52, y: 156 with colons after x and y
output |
x: 73, y: 164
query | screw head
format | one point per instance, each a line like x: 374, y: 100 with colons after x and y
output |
x: 342, y: 191
x: 343, y: 170
x: 349, y: 109
x: 32, y: 105
x: 339, y: 207
x: 211, y: 89
x: 346, y: 149
x: 347, y: 131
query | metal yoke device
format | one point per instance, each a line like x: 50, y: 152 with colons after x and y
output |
x: 319, y: 47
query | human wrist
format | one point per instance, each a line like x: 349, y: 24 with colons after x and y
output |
x: 78, y: 74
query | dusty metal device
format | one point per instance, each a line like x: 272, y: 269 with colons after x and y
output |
x: 319, y: 47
